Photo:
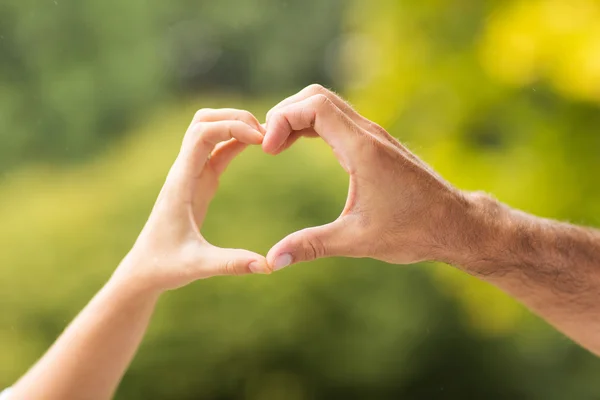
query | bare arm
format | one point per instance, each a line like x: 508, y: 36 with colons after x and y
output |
x: 91, y: 356
x: 552, y: 267
x: 401, y: 211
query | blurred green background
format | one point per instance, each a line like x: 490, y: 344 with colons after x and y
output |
x: 95, y: 95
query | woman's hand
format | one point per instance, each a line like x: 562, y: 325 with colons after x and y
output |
x: 170, y: 251
x: 90, y: 357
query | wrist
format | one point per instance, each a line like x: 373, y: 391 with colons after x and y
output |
x: 130, y: 277
x: 479, y: 234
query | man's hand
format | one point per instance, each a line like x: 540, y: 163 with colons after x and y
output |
x: 398, y: 209
x: 170, y: 252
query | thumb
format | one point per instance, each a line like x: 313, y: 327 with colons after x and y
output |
x: 310, y: 244
x: 220, y: 261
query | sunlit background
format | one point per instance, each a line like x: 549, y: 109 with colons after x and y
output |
x: 501, y: 96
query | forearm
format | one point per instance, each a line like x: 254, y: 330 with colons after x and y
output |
x: 91, y: 356
x: 552, y: 267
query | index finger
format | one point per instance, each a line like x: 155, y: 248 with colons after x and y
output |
x: 319, y: 113
x: 316, y: 89
x: 198, y: 143
x: 344, y: 107
x: 222, y: 114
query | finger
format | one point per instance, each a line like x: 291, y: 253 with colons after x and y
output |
x: 202, y: 138
x: 319, y: 113
x: 220, y: 261
x: 224, y: 153
x: 312, y: 243
x: 198, y: 143
x: 222, y: 114
x: 293, y: 138
x: 316, y: 89
x: 343, y: 105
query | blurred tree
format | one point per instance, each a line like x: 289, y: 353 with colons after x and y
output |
x: 498, y: 96
x: 474, y: 87
x: 339, y: 328
x: 73, y: 75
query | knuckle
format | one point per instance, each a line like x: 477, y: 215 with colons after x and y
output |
x: 276, y: 115
x: 202, y: 113
x: 192, y: 136
x: 229, y: 268
x: 248, y: 117
x: 199, y: 133
x: 321, y: 101
x: 313, y: 248
x: 376, y: 128
x: 232, y: 127
x: 316, y: 88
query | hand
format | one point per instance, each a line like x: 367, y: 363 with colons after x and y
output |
x: 171, y: 252
x: 398, y: 209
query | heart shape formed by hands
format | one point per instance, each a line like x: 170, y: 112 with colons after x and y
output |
x: 395, y: 207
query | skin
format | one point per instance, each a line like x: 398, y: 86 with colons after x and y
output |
x: 398, y: 210
x: 90, y: 357
x: 401, y: 211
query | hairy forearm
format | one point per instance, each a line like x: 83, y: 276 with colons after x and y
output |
x: 552, y: 267
x: 90, y: 357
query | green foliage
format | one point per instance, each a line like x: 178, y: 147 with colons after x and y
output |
x: 478, y: 92
x: 74, y: 74
x: 485, y: 91
x: 336, y: 328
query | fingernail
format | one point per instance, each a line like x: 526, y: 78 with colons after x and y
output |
x: 259, y: 136
x: 282, y: 261
x: 257, y: 267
